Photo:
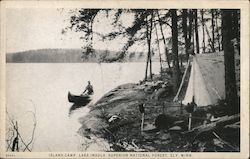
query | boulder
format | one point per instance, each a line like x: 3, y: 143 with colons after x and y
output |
x: 164, y: 121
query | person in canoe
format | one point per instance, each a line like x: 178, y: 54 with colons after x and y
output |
x: 89, y: 89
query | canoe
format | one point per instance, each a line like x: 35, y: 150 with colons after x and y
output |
x: 79, y: 100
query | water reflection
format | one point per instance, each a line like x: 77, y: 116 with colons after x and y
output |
x: 74, y: 107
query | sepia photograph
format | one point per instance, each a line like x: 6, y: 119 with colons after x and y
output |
x: 140, y: 80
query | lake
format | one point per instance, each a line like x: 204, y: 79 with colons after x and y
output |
x: 43, y: 88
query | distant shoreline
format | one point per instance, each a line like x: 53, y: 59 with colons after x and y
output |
x: 75, y: 62
x: 73, y: 56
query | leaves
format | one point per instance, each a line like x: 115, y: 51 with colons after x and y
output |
x: 82, y: 20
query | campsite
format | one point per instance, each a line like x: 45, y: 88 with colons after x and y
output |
x: 125, y: 80
x: 193, y: 104
x: 167, y: 122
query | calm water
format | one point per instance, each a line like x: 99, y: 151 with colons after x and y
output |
x: 46, y: 86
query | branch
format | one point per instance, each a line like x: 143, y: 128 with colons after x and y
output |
x: 9, y: 140
x: 34, y: 128
x: 225, y: 142
x: 11, y: 120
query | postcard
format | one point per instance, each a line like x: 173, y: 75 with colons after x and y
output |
x: 124, y: 79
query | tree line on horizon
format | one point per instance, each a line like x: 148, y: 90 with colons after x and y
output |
x: 70, y: 56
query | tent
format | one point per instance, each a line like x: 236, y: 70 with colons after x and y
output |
x: 207, y: 80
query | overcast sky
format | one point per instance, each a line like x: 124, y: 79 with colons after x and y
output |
x: 34, y: 28
x: 38, y: 28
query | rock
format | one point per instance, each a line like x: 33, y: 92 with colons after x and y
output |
x: 148, y: 90
x: 164, y: 136
x: 157, y: 142
x: 149, y: 137
x: 160, y: 93
x: 218, y: 143
x: 148, y: 127
x: 109, y: 95
x: 175, y: 128
x: 166, y: 142
x: 163, y: 121
x: 149, y: 142
x: 151, y: 148
x: 113, y: 118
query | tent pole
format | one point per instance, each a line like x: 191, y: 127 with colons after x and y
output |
x: 189, y: 121
x: 142, y: 122
x: 182, y: 82
x: 181, y: 108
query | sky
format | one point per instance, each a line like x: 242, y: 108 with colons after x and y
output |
x: 39, y: 28
x: 29, y: 29
x: 34, y: 28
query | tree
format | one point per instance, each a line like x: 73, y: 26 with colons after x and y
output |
x: 196, y: 31
x: 175, y: 49
x: 210, y: 39
x: 203, y: 31
x: 184, y: 29
x: 212, y: 22
x: 217, y: 16
x: 139, y: 31
x: 230, y: 80
x: 164, y: 41
x: 149, y: 37
x: 190, y: 31
x: 158, y: 45
x: 83, y: 22
x: 236, y: 28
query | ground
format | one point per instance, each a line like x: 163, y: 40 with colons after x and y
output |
x: 124, y: 133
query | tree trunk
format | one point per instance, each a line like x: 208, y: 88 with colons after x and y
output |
x: 146, y: 71
x: 181, y: 61
x: 148, y: 34
x: 91, y: 38
x: 230, y: 81
x: 209, y: 39
x: 190, y: 33
x: 150, y: 38
x: 148, y: 56
x: 212, y: 22
x: 235, y: 21
x: 236, y: 27
x: 164, y: 41
x: 196, y: 32
x: 203, y: 31
x: 218, y: 29
x: 158, y: 44
x: 184, y: 29
x: 150, y: 67
x: 220, y: 124
x: 175, y: 49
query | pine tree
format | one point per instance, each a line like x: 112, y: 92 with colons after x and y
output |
x: 175, y: 49
x: 196, y: 31
x: 203, y: 31
x: 184, y: 29
x: 230, y: 80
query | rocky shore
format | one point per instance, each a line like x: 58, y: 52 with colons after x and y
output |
x: 116, y: 118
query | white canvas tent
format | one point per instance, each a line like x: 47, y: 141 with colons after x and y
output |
x: 207, y: 80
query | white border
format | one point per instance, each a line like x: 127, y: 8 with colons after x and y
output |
x: 178, y: 4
